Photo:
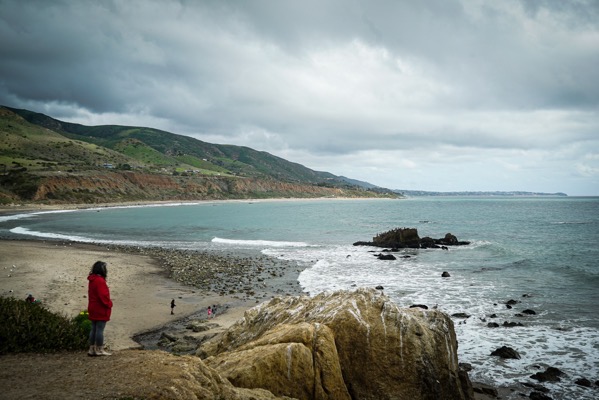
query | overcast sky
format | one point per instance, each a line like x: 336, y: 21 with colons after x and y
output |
x: 442, y: 95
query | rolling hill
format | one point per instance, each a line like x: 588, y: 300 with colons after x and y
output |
x: 43, y: 159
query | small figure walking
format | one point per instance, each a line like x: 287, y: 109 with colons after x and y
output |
x: 209, y: 312
x: 173, y: 305
x: 213, y: 310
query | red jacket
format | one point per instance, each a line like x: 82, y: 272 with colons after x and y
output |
x: 99, y: 303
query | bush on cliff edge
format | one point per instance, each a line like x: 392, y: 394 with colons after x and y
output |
x: 30, y: 328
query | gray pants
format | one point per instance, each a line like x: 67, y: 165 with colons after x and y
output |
x: 96, y: 336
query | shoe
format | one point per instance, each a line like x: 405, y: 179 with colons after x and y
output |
x: 100, y: 351
x: 92, y: 351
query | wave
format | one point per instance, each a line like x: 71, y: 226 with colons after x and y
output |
x: 13, y: 217
x: 82, y: 239
x: 50, y: 235
x: 267, y: 243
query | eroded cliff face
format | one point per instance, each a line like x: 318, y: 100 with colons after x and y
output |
x: 344, y: 345
x: 131, y: 186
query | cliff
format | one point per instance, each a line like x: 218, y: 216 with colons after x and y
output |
x: 343, y: 345
x: 123, y: 186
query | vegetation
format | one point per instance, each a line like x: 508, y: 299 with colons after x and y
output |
x: 35, y: 149
x: 29, y: 327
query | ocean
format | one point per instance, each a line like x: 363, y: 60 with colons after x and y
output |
x: 541, y: 252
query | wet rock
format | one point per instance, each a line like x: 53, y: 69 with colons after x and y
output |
x: 506, y: 352
x: 419, y: 306
x: 487, y: 390
x: 386, y: 257
x: 379, y: 287
x: 511, y: 302
x: 539, y: 396
x: 493, y: 325
x: 551, y: 374
x: 583, y: 382
x: 512, y: 324
x: 536, y: 386
x: 445, y: 274
x: 529, y: 312
x: 460, y: 315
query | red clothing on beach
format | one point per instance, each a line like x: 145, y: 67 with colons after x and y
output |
x: 99, y: 304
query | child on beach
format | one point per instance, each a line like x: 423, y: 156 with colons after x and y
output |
x: 173, y: 305
x: 209, y: 312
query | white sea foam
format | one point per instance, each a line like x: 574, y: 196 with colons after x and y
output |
x: 13, y: 217
x: 80, y: 239
x: 259, y: 243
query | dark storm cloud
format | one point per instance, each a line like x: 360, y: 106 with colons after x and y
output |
x: 318, y: 80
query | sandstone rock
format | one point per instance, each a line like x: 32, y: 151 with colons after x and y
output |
x: 341, y: 345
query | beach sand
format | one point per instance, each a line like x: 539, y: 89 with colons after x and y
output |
x: 56, y: 274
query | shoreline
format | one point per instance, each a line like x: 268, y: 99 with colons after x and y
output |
x: 55, y: 272
x: 32, y: 207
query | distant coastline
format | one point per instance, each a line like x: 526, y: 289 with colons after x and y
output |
x: 423, y: 193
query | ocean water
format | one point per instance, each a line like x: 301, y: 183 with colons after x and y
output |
x: 541, y: 252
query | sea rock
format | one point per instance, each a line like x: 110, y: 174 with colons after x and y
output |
x: 401, y: 238
x: 460, y: 315
x: 506, y: 352
x: 551, y: 374
x: 512, y: 324
x: 445, y: 274
x: 386, y: 257
x: 529, y: 312
x: 583, y: 382
x: 341, y: 345
x: 539, y: 396
x: 493, y: 325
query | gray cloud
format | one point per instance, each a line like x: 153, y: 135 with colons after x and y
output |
x: 497, y: 93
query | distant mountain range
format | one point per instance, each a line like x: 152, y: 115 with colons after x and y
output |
x: 45, y: 159
x: 422, y: 193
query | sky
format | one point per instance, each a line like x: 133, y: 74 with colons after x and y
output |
x: 438, y: 95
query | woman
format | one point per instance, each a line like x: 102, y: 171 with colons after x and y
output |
x: 99, y: 308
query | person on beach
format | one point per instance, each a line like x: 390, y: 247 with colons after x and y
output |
x: 99, y: 308
x: 209, y: 312
x: 213, y: 310
x: 173, y: 305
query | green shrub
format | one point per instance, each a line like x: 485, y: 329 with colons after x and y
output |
x: 30, y: 328
x: 82, y: 321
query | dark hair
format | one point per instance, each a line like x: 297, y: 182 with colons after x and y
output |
x: 99, y: 268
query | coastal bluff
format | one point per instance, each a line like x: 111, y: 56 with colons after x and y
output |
x: 341, y: 345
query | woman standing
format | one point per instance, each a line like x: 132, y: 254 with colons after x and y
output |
x: 99, y: 308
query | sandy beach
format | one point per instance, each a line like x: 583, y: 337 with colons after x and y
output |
x: 56, y: 274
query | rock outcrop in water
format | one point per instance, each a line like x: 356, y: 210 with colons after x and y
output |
x: 344, y: 345
x: 400, y: 238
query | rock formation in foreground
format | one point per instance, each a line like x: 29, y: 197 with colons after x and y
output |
x: 342, y: 345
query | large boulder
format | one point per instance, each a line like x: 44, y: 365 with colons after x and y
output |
x: 342, y: 345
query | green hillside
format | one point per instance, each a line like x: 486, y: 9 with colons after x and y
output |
x: 35, y: 147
